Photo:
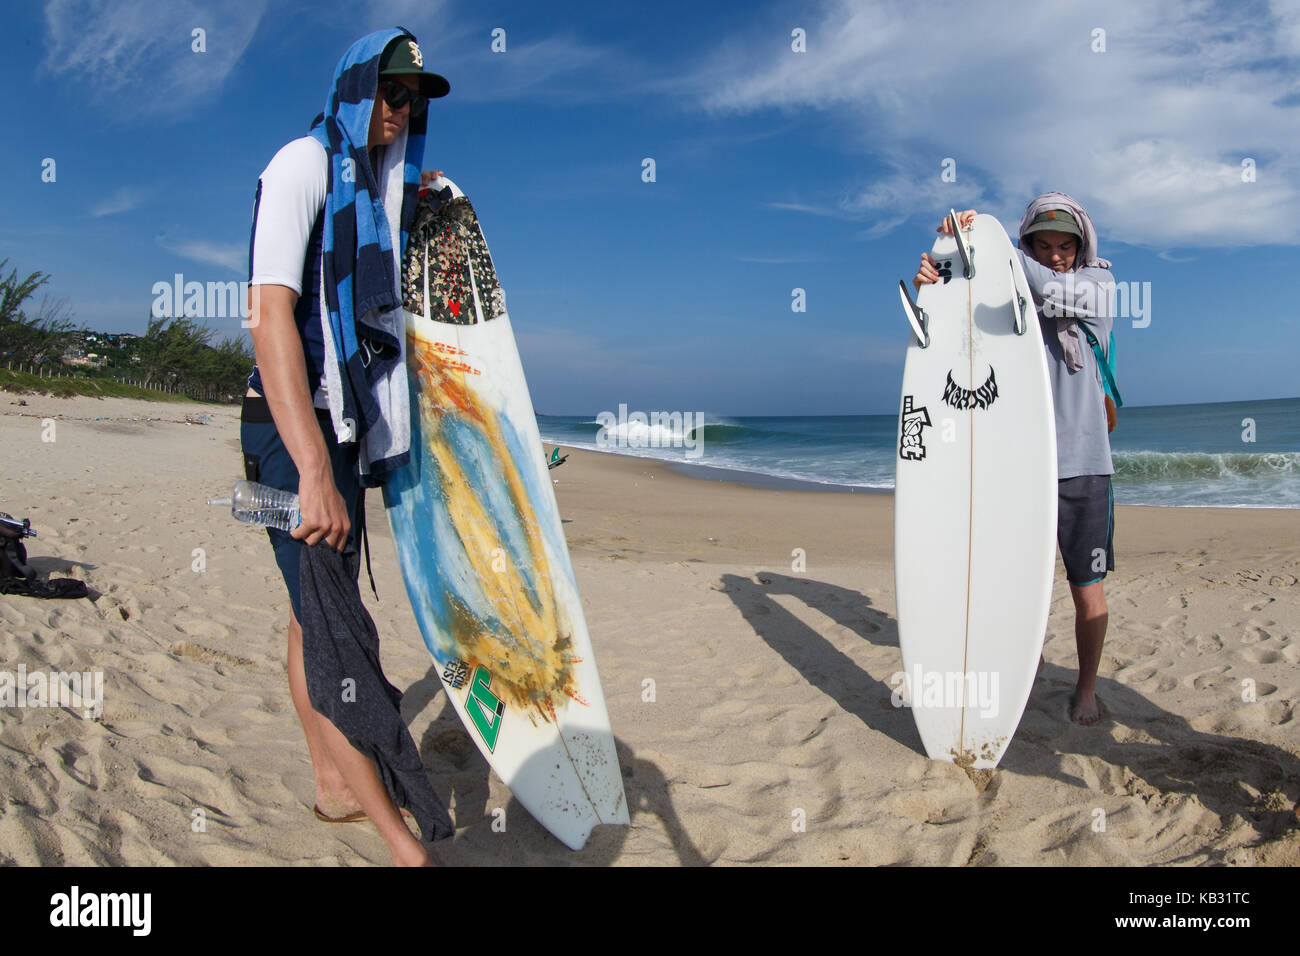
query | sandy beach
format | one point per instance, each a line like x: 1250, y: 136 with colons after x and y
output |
x: 746, y: 638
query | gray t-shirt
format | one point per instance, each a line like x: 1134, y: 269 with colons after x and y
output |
x: 1082, y: 442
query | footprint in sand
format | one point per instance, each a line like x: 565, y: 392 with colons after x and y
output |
x: 1202, y: 680
x: 1208, y: 644
x: 199, y: 627
x: 1275, y: 712
x: 80, y: 765
x: 1255, y: 634
x: 87, y: 634
x: 207, y: 655
x: 1136, y: 675
x: 1260, y: 655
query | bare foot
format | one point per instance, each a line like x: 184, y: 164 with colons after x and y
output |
x: 417, y: 856
x: 349, y: 816
x: 1085, y: 708
x: 337, y: 802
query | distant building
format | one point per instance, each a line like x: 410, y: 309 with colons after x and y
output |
x: 78, y: 358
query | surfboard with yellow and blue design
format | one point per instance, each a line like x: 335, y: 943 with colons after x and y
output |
x: 481, y: 545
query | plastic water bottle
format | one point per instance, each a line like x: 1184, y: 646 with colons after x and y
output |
x: 254, y: 503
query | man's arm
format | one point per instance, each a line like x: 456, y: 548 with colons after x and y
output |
x: 1085, y: 295
x: 284, y: 380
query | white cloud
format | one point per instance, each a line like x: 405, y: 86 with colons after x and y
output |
x: 141, y: 55
x: 231, y: 255
x: 803, y: 207
x: 554, y: 67
x: 414, y: 15
x: 1150, y: 134
x: 1286, y: 14
x: 122, y: 199
x: 776, y: 260
x: 883, y: 227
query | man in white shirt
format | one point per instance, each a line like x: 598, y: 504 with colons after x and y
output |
x: 288, y: 437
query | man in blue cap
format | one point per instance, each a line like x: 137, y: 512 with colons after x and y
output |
x: 325, y: 409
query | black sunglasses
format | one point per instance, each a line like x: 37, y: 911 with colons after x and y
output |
x: 397, y: 95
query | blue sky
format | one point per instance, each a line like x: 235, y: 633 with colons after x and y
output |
x: 775, y: 170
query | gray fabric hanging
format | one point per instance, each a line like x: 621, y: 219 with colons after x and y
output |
x: 340, y: 642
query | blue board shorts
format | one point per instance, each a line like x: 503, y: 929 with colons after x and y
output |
x: 1085, y: 527
x: 266, y: 460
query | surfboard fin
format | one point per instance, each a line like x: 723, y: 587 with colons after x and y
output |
x: 963, y: 249
x: 1018, y: 303
x: 916, y: 316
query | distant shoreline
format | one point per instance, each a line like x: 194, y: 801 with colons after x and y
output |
x: 757, y: 480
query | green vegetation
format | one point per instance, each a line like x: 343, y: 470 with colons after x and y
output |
x: 24, y: 382
x: 175, y: 357
x: 33, y: 340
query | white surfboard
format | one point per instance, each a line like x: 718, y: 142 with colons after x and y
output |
x: 975, y: 499
x: 481, y: 545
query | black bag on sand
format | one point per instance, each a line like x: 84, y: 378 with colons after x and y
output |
x: 17, y: 577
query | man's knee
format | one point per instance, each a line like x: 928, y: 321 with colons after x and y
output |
x: 1089, y: 600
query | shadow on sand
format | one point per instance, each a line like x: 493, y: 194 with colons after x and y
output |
x: 1227, y: 775
x: 460, y: 776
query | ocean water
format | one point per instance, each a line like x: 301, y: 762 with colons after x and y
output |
x: 1227, y: 454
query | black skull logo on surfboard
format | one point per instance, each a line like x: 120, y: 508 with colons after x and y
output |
x: 981, y: 396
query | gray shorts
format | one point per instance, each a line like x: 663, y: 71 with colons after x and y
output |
x: 1085, y: 527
